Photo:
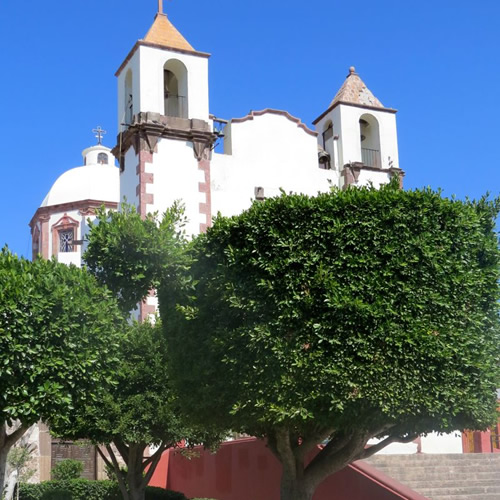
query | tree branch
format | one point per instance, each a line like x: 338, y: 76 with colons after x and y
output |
x: 334, y: 456
x: 122, y: 449
x: 13, y: 437
x: 310, y: 442
x: 104, y: 457
x: 154, y: 463
x: 150, y: 459
x: 118, y: 473
x: 368, y: 452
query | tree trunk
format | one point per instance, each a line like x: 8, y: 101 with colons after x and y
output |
x: 6, y: 443
x: 294, y: 489
x: 4, y: 451
x: 135, y: 483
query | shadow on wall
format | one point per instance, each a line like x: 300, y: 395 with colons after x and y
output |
x: 246, y: 470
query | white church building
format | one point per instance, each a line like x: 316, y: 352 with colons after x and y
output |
x: 165, y: 151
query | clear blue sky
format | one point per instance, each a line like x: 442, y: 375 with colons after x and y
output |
x: 437, y: 62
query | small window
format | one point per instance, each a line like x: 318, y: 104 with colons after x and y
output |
x: 66, y: 241
x: 102, y: 159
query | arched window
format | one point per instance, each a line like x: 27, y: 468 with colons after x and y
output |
x: 102, y: 159
x: 175, y: 89
x: 129, y: 100
x: 370, y: 141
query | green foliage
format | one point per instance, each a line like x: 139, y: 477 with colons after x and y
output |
x: 83, y: 489
x: 141, y: 407
x: 19, y: 459
x: 154, y: 493
x: 129, y: 254
x: 366, y: 309
x: 58, y: 338
x: 76, y: 489
x: 66, y: 470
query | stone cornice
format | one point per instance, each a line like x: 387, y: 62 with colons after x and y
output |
x: 44, y: 213
x: 351, y: 172
x: 354, y: 105
x: 147, y: 128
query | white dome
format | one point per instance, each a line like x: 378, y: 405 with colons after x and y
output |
x: 91, y: 182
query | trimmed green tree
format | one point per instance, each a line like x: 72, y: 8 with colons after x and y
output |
x: 59, y: 333
x: 129, y: 254
x: 337, y: 319
x: 139, y: 412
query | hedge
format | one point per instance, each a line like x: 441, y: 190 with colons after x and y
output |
x: 84, y: 489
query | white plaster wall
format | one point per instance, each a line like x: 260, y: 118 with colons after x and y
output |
x: 350, y: 144
x: 269, y: 151
x: 152, y: 61
x: 397, y: 448
x: 129, y: 179
x: 177, y: 177
x: 134, y: 65
x: 433, y: 443
x: 376, y: 178
x: 442, y: 443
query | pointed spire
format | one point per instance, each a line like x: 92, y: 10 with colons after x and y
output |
x: 355, y: 91
x: 164, y: 33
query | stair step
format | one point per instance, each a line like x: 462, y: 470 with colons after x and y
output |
x: 481, y: 496
x: 445, y: 477
x: 453, y: 483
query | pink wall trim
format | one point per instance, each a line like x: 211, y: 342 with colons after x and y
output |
x: 145, y: 178
x: 44, y: 220
x: 204, y: 187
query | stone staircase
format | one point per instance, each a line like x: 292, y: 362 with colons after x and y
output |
x: 470, y: 476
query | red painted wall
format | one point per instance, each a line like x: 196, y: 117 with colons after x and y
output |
x: 247, y: 470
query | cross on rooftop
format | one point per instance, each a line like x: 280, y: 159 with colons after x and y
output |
x: 160, y: 6
x: 99, y: 132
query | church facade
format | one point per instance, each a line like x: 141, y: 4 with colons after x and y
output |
x: 170, y: 147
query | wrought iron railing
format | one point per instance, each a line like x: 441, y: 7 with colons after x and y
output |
x: 371, y: 157
x: 175, y: 105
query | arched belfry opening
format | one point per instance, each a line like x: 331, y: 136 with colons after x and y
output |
x: 370, y: 141
x: 175, y: 89
x: 129, y: 98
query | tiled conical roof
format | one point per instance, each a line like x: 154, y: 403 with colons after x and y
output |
x: 355, y: 91
x: 164, y: 33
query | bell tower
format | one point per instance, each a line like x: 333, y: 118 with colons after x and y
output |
x: 165, y: 133
x: 358, y: 133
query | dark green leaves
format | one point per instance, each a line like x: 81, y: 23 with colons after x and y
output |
x: 358, y: 308
x: 130, y: 254
x: 59, y: 332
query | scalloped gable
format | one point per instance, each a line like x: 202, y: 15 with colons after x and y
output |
x: 165, y: 34
x: 270, y: 111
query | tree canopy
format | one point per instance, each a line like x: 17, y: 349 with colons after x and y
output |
x: 129, y: 254
x: 59, y: 334
x: 341, y: 317
x: 139, y: 411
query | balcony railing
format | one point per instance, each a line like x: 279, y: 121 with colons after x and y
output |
x: 371, y: 157
x: 175, y: 105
